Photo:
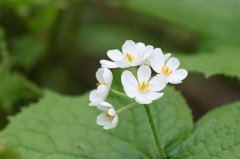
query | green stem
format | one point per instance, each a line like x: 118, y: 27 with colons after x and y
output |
x: 114, y: 91
x: 126, y: 107
x: 155, y: 132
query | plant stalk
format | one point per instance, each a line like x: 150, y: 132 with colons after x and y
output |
x: 114, y: 91
x: 126, y: 107
x: 155, y: 133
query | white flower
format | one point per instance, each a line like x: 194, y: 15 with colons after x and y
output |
x: 104, y: 77
x: 158, y: 53
x: 151, y: 53
x: 131, y: 55
x: 169, y: 69
x: 109, y: 118
x: 148, y: 51
x: 143, y: 89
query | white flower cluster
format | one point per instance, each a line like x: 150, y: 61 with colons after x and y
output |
x: 140, y: 85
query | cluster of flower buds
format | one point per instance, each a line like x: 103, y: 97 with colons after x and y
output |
x: 139, y: 85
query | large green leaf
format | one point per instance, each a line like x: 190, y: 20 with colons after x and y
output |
x: 216, y: 136
x: 7, y: 152
x: 61, y: 127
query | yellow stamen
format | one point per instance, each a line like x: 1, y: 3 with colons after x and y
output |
x: 101, y: 83
x: 166, y: 70
x: 129, y: 57
x: 108, y: 116
x: 144, y: 87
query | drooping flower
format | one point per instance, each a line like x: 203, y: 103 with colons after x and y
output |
x: 104, y: 77
x: 143, y: 89
x: 109, y: 118
x: 169, y: 69
x: 131, y: 55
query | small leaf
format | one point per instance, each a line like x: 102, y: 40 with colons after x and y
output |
x: 61, y: 127
x: 15, y: 88
x: 26, y: 51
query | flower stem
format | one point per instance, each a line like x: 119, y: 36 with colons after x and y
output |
x: 126, y: 107
x: 155, y: 132
x: 114, y: 91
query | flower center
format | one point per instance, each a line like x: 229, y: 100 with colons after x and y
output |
x: 166, y: 70
x: 108, y: 116
x: 101, y: 83
x: 144, y: 87
x: 129, y: 57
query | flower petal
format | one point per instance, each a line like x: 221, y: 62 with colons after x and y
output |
x: 123, y: 64
x: 130, y: 91
x: 104, y: 106
x: 157, y: 61
x: 108, y: 64
x: 139, y: 59
x: 103, y: 120
x: 107, y: 76
x: 99, y: 75
x: 158, y: 82
x: 144, y: 73
x: 128, y: 47
x: 177, y: 76
x: 142, y: 99
x: 129, y: 83
x: 114, y: 122
x: 167, y: 56
x: 112, y: 112
x: 115, y: 55
x: 158, y: 52
x: 102, y: 90
x: 128, y: 79
x: 95, y: 98
x: 140, y: 49
x: 154, y: 95
x: 173, y: 63
x: 148, y: 51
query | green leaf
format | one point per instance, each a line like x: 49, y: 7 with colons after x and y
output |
x: 216, y: 136
x: 7, y: 152
x: 15, y: 88
x: 26, y: 51
x: 61, y: 127
x: 44, y: 18
x: 222, y: 60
